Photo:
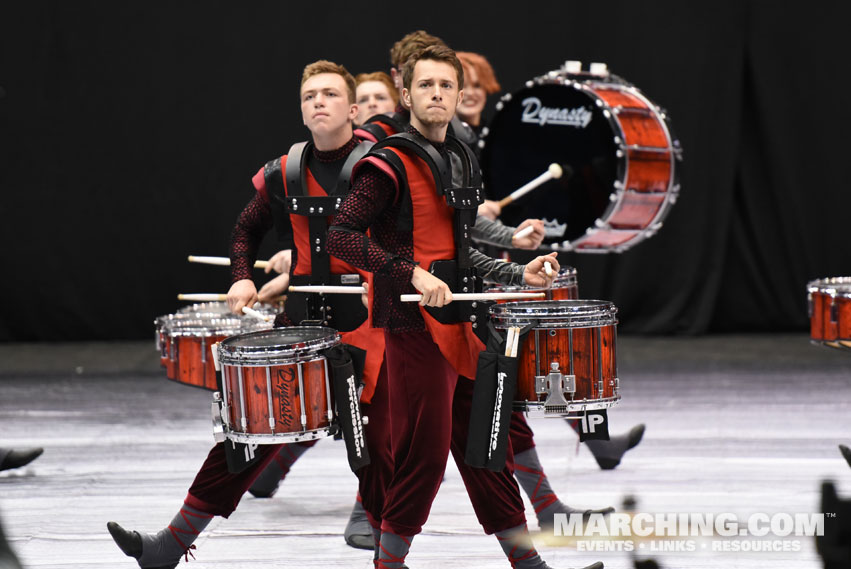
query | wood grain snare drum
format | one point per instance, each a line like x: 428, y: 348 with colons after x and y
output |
x: 567, y: 362
x: 829, y: 302
x: 565, y: 287
x: 276, y: 386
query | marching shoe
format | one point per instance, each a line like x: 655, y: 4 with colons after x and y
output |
x: 130, y: 543
x: 608, y: 454
x: 358, y: 532
x: 19, y: 458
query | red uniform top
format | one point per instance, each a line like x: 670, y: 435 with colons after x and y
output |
x: 364, y: 337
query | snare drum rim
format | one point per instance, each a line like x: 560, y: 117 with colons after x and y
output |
x: 554, y: 314
x: 280, y: 354
x: 832, y: 286
x: 214, y: 326
x: 566, y: 278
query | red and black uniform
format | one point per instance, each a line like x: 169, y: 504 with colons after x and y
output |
x: 216, y: 489
x: 429, y: 364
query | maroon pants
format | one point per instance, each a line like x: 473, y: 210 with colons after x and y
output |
x: 373, y: 478
x: 216, y: 490
x: 520, y: 433
x: 429, y: 408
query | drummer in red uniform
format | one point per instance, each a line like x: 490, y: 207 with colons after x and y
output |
x: 328, y: 109
x: 429, y: 362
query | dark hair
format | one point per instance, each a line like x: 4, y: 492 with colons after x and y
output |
x: 434, y: 53
x: 409, y: 45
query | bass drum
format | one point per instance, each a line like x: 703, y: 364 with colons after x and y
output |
x: 620, y: 160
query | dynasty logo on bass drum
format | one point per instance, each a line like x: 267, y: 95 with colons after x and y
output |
x: 534, y: 112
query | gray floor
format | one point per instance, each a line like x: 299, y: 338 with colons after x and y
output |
x: 738, y: 424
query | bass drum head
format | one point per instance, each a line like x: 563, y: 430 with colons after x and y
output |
x: 545, y: 124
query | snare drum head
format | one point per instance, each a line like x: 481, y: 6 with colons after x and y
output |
x: 268, y: 345
x: 554, y: 314
x: 542, y: 125
x: 212, y: 324
x: 566, y: 278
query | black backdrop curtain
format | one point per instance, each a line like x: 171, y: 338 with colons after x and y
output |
x: 130, y: 132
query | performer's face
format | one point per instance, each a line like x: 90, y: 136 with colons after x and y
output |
x: 470, y: 109
x: 325, y: 106
x: 373, y: 98
x: 434, y: 92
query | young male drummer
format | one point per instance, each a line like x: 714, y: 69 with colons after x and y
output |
x: 428, y: 362
x: 328, y: 108
x: 529, y: 471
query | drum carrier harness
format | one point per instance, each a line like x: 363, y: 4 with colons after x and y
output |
x: 343, y: 312
x: 463, y: 198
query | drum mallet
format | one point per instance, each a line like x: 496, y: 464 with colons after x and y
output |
x: 222, y: 261
x: 554, y: 172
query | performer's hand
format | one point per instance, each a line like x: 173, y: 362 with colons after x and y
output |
x: 534, y: 239
x: 364, y: 298
x: 242, y: 293
x: 435, y: 292
x: 280, y: 261
x: 270, y: 291
x: 490, y: 209
x: 536, y: 275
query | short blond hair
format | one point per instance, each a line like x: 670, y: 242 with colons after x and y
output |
x: 409, y: 45
x: 381, y: 77
x: 325, y: 66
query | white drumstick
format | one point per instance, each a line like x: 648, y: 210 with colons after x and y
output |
x: 523, y: 232
x: 516, y: 342
x: 548, y: 268
x: 222, y: 261
x: 202, y: 297
x: 553, y: 173
x: 255, y: 314
x: 329, y: 289
x: 480, y: 296
x: 509, y: 341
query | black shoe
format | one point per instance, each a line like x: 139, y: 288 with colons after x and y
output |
x: 358, y: 532
x: 130, y: 542
x: 267, y: 482
x: 846, y: 452
x: 609, y: 453
x: 19, y: 458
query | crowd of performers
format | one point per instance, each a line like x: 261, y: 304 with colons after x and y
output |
x: 418, y: 370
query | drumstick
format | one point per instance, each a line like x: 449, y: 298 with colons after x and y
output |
x: 509, y: 341
x: 255, y: 314
x: 202, y: 297
x: 516, y: 342
x: 548, y: 268
x: 329, y: 289
x: 523, y: 232
x: 480, y: 296
x: 222, y: 261
x: 554, y: 171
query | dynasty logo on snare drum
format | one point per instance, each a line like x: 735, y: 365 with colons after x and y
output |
x: 535, y: 112
x: 285, y: 386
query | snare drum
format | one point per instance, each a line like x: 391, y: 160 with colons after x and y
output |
x: 189, y: 338
x: 830, y: 311
x: 276, y: 386
x: 619, y: 156
x: 567, y: 363
x: 565, y: 287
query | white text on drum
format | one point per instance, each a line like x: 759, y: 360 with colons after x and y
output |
x: 534, y: 112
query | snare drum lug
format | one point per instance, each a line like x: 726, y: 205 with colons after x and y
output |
x: 541, y: 384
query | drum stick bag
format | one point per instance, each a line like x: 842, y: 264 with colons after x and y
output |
x: 493, y: 398
x: 347, y: 397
